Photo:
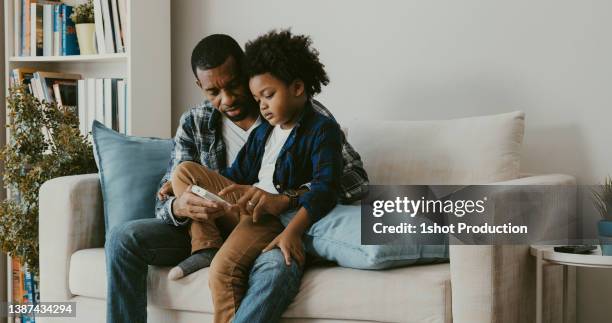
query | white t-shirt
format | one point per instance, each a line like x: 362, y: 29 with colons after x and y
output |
x: 274, y: 144
x: 234, y: 138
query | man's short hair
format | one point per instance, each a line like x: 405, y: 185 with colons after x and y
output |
x: 213, y: 50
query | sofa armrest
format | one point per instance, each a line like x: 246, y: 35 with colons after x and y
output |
x: 71, y: 218
x: 497, y: 283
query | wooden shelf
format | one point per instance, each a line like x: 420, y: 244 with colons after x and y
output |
x: 74, y: 58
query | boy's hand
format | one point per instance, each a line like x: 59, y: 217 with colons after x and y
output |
x: 257, y: 202
x: 290, y: 244
x: 165, y: 191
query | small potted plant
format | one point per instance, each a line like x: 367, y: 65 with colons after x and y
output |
x: 603, y: 202
x: 83, y: 17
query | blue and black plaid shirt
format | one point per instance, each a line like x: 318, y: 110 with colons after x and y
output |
x: 199, y: 139
x: 312, y: 154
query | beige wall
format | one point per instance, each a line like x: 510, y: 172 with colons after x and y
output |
x: 444, y: 59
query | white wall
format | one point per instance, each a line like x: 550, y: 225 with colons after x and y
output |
x: 433, y: 59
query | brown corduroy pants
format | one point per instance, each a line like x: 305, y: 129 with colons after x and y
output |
x: 229, y: 270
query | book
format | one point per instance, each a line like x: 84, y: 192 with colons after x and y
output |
x: 100, y: 100
x: 109, y: 36
x: 116, y: 27
x: 91, y: 102
x: 36, y: 288
x: 17, y: 280
x: 27, y: 283
x: 122, y: 6
x: 37, y: 89
x: 47, y: 79
x: 36, y: 29
x: 69, y: 36
x: 57, y: 30
x: 99, y: 26
x: 121, y: 106
x: 108, y: 103
x: 82, y: 105
x: 48, y: 23
x: 65, y: 93
x: 115, y: 107
x: 17, y: 27
x: 57, y: 94
x: 128, y: 112
x: 28, y: 296
x: 26, y: 27
x: 23, y: 75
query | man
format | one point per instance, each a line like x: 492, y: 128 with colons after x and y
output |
x: 211, y: 134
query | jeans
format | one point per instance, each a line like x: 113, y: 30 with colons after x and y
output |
x: 135, y: 245
x: 272, y: 287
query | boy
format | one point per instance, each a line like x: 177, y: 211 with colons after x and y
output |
x: 294, y: 147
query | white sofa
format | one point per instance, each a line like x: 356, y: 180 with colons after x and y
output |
x: 480, y: 284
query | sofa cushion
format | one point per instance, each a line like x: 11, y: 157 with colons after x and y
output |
x: 87, y: 273
x: 336, y: 237
x: 130, y: 171
x: 411, y: 294
x: 464, y: 151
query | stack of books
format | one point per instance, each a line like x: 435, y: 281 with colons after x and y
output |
x: 25, y: 289
x: 44, y: 28
x: 111, y: 24
x: 104, y: 100
x: 60, y: 88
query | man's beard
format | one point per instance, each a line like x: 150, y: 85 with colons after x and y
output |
x: 244, y: 112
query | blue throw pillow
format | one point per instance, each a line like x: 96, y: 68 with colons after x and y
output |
x: 337, y: 237
x: 130, y: 169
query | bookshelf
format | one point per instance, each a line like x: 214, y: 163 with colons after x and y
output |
x: 145, y: 66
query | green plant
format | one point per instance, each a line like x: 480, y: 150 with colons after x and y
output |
x: 45, y: 143
x: 83, y: 13
x: 603, y: 199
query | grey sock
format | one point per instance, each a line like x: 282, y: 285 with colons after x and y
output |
x: 200, y: 259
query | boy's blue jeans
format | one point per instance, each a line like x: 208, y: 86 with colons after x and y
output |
x: 135, y: 245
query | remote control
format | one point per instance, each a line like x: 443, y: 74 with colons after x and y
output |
x: 206, y: 194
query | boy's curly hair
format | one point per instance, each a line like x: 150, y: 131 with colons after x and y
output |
x: 287, y: 57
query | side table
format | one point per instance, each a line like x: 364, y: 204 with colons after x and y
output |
x: 547, y: 255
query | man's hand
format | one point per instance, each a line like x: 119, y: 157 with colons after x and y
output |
x: 165, y: 191
x: 192, y: 206
x: 257, y: 202
x: 290, y: 244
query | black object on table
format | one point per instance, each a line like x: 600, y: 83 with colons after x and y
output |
x: 576, y: 249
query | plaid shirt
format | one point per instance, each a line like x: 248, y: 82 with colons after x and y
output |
x: 198, y: 138
x: 311, y: 154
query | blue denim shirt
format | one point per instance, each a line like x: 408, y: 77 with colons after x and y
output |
x: 312, y: 154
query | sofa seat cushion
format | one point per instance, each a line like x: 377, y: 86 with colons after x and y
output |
x: 412, y: 294
x: 408, y: 294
